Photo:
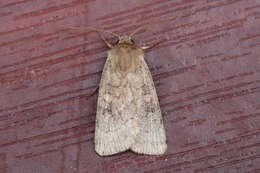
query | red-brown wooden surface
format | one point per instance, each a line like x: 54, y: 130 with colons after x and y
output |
x: 206, y: 75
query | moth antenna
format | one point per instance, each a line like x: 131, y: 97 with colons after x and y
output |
x: 93, y: 29
x: 158, y: 21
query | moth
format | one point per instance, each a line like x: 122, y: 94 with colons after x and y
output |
x: 128, y: 112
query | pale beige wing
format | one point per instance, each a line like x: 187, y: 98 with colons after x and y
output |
x: 128, y: 113
x: 114, y: 130
x: 151, y: 138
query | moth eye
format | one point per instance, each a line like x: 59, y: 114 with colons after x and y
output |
x: 132, y: 41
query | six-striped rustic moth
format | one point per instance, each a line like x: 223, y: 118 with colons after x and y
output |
x: 128, y: 112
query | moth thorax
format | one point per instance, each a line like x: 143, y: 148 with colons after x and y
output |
x: 126, y: 58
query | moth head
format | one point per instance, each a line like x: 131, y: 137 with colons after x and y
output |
x: 125, y: 39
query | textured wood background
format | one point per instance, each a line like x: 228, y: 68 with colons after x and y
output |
x: 206, y: 75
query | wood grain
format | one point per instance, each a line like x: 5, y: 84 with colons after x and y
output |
x: 206, y: 75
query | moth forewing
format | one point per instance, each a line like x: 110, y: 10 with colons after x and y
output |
x: 128, y: 111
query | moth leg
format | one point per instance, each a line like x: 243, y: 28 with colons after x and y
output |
x: 94, y: 92
x: 151, y: 46
x: 105, y: 41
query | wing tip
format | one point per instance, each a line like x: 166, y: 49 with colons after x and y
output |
x: 116, y: 144
x: 159, y: 150
x: 149, y: 149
